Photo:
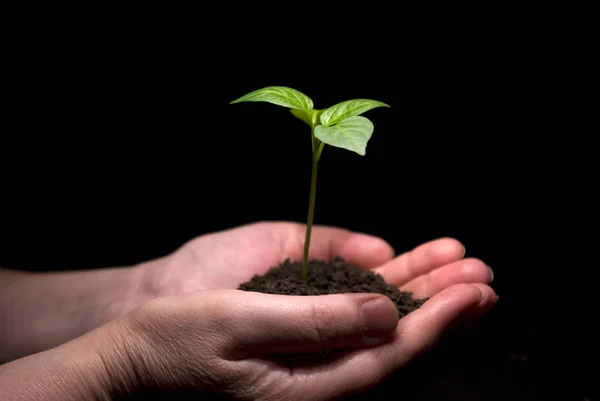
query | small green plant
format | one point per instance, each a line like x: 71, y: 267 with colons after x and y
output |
x: 340, y: 125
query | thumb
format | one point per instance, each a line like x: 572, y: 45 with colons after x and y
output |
x: 262, y: 324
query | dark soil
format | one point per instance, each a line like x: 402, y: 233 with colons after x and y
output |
x: 329, y: 278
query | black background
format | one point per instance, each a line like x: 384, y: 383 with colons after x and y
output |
x: 120, y: 144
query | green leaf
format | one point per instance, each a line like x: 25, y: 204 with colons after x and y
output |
x: 279, y: 95
x: 349, y: 108
x: 353, y: 133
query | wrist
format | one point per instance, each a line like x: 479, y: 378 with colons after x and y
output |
x: 125, y: 289
x: 145, y: 284
x: 71, y: 371
x: 61, y: 306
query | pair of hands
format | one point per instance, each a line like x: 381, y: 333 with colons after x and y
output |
x: 199, y: 333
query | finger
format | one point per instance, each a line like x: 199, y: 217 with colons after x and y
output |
x: 446, y: 311
x: 363, y: 250
x: 469, y: 270
x: 253, y: 324
x: 421, y: 260
x: 422, y: 329
x: 490, y: 298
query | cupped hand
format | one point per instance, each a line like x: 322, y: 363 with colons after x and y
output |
x: 238, y: 343
x: 225, y: 259
x: 202, y: 334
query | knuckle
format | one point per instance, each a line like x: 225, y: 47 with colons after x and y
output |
x: 323, y: 322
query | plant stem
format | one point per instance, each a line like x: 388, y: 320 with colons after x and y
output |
x: 311, y: 206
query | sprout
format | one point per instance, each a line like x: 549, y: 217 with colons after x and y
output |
x: 340, y: 125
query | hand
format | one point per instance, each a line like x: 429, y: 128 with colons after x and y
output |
x: 213, y: 337
x: 225, y: 259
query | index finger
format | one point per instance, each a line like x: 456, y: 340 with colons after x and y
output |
x: 421, y: 260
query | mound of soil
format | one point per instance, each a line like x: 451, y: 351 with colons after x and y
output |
x: 329, y: 278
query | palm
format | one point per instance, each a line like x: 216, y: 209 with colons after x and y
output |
x: 225, y: 259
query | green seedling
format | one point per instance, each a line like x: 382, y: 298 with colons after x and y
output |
x: 340, y: 125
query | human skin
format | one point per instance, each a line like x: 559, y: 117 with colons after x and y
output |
x: 178, y: 323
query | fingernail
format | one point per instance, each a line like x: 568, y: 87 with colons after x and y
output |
x: 491, y: 273
x: 378, y: 317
